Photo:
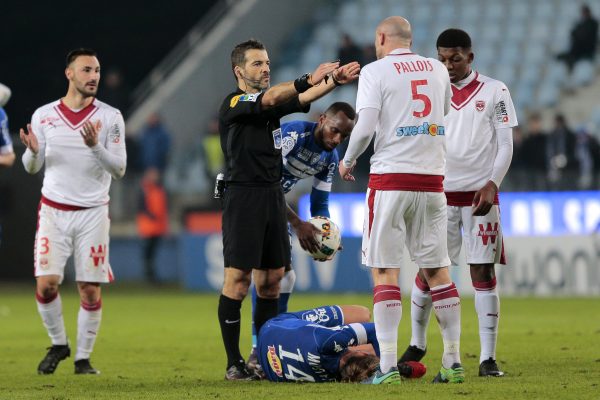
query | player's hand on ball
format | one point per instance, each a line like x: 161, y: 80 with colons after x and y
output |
x: 89, y: 133
x: 29, y: 139
x: 347, y: 73
x: 307, y: 234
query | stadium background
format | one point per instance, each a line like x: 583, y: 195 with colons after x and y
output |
x: 174, y: 60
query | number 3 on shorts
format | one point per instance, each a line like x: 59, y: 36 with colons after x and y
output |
x: 414, y: 85
x: 44, y: 246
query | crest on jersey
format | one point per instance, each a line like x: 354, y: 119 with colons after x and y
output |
x: 288, y: 144
x: 274, y: 361
x: 115, y: 134
x: 479, y: 105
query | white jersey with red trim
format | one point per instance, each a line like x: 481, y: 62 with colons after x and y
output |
x: 73, y: 174
x: 412, y: 94
x: 480, y: 105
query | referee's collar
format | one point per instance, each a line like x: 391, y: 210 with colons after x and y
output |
x: 400, y: 52
x: 240, y: 91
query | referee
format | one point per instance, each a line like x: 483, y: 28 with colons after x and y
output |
x: 255, y: 238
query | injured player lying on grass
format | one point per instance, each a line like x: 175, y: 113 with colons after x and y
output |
x: 324, y: 344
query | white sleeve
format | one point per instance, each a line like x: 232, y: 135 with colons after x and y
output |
x: 505, y: 115
x: 369, y: 94
x: 33, y: 162
x: 361, y: 135
x: 504, y: 155
x: 113, y: 157
x: 5, y: 94
x: 448, y: 96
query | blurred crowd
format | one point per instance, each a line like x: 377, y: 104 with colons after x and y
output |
x: 547, y: 155
x: 561, y: 158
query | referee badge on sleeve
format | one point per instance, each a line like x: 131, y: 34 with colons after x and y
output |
x: 277, y: 138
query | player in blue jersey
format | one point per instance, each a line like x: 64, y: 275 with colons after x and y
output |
x: 308, y: 150
x: 324, y: 344
x: 7, y: 155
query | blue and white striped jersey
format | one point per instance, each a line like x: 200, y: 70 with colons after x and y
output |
x: 303, y: 158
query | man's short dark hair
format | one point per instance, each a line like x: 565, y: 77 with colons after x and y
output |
x: 73, y: 54
x: 238, y: 54
x: 343, y: 107
x: 451, y: 38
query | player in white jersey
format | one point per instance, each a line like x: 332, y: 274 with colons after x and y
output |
x: 82, y: 143
x: 479, y: 143
x: 404, y: 97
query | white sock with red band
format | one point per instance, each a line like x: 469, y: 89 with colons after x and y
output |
x: 420, y: 310
x: 50, y: 310
x: 88, y: 324
x: 446, y: 305
x: 387, y: 313
x: 487, y: 305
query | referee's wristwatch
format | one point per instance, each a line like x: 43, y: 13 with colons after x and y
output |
x: 303, y: 83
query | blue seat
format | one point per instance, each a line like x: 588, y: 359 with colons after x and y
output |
x: 557, y: 73
x: 519, y: 12
x: 583, y: 73
x: 524, y: 94
x: 548, y: 95
x: 544, y: 10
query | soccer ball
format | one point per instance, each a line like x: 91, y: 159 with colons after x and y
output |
x: 329, y: 240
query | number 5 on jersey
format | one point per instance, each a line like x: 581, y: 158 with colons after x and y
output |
x: 414, y: 85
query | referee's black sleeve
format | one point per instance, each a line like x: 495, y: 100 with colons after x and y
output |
x: 238, y: 105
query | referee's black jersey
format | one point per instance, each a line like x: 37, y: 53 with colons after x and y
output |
x: 251, y: 138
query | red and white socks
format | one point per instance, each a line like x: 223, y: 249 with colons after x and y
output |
x: 487, y: 306
x: 387, y: 313
x: 88, y: 324
x: 50, y: 310
x: 446, y: 305
x: 420, y: 311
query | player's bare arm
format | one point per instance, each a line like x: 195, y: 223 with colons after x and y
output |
x: 342, y: 75
x: 305, y: 231
x: 7, y: 160
x: 89, y: 133
x: 29, y: 139
x: 282, y: 92
x: 484, y: 199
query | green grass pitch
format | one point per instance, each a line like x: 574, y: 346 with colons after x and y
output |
x: 165, y: 344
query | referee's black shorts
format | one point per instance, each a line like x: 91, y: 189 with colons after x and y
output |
x: 255, y: 233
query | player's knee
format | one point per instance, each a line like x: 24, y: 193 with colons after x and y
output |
x: 89, y: 293
x: 48, y: 290
x: 236, y: 283
x: 482, y: 272
x: 47, y: 287
x: 267, y: 291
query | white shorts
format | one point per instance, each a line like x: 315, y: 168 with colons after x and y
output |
x: 83, y: 233
x: 394, y: 218
x: 482, y: 236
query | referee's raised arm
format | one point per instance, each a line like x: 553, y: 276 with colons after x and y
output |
x: 283, y: 92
